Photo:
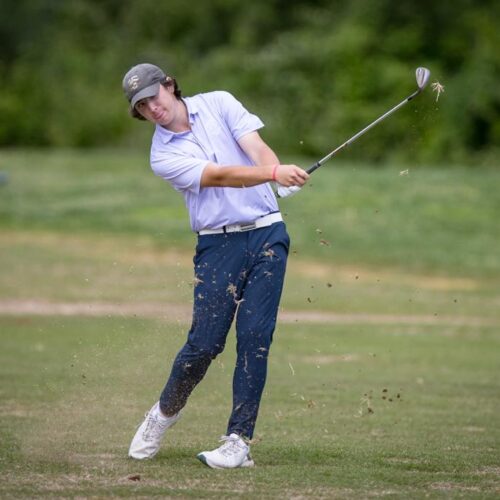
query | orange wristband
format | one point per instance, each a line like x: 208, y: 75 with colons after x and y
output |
x: 274, y: 172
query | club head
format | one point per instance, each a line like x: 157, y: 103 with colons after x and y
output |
x: 423, y: 75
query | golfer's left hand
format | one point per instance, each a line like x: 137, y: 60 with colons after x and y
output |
x: 285, y: 192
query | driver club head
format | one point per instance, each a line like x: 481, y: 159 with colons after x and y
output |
x: 423, y: 75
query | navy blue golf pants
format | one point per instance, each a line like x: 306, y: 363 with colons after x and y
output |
x: 238, y: 274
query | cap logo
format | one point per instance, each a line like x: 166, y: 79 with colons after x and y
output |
x: 133, y: 82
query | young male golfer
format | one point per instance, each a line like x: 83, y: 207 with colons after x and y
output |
x: 208, y: 148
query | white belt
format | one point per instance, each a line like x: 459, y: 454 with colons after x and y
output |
x: 265, y: 221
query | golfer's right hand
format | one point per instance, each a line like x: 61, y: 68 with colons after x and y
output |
x: 290, y: 175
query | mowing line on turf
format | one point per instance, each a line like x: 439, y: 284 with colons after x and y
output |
x: 182, y: 313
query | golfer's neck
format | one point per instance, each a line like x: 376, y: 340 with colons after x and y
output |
x: 180, y: 123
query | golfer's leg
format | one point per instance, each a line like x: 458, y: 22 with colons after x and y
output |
x: 213, y: 313
x: 255, y: 325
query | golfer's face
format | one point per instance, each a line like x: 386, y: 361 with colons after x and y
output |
x: 159, y: 109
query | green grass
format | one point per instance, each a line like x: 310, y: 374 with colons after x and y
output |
x: 74, y: 389
x: 397, y: 396
x: 431, y: 220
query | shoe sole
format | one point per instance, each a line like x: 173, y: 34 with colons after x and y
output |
x: 203, y: 459
x: 149, y: 457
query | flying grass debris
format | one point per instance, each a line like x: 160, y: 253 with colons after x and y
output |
x: 231, y: 288
x: 366, y: 407
x: 196, y: 281
x: 269, y: 253
x: 438, y: 88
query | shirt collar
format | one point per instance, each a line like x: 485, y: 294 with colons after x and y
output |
x: 192, y: 107
x: 167, y: 135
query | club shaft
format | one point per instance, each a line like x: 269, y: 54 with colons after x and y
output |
x: 318, y: 164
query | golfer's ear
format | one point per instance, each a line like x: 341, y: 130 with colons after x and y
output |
x: 169, y: 84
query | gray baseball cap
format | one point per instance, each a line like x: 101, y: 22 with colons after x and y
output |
x: 142, y: 81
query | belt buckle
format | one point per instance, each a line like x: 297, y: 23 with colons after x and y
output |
x: 248, y: 227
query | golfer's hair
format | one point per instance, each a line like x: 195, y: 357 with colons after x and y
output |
x: 168, y: 82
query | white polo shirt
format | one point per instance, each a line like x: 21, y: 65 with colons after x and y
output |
x: 217, y: 122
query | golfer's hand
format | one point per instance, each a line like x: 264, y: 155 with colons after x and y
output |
x: 291, y: 175
x: 285, y: 192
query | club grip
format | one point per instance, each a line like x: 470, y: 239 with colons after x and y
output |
x: 312, y: 168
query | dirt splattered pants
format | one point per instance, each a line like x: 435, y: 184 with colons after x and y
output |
x: 240, y: 274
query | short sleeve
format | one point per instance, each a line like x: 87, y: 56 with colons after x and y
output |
x: 182, y: 171
x: 238, y: 119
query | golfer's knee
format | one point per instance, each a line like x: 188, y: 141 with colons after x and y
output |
x: 193, y: 352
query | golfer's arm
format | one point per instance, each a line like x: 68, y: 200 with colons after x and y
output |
x: 244, y: 176
x: 257, y: 149
x: 235, y: 176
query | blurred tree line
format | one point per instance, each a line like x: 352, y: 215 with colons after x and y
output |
x: 315, y: 71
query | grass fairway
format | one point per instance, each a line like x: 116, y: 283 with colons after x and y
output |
x: 349, y: 411
x: 385, y: 370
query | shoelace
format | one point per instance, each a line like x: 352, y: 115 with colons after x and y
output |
x: 154, y: 428
x: 231, y: 446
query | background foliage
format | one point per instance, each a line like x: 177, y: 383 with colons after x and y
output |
x: 314, y: 70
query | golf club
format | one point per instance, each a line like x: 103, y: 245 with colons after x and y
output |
x: 422, y: 76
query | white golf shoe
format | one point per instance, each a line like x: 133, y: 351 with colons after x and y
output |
x: 233, y: 453
x: 147, y: 439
